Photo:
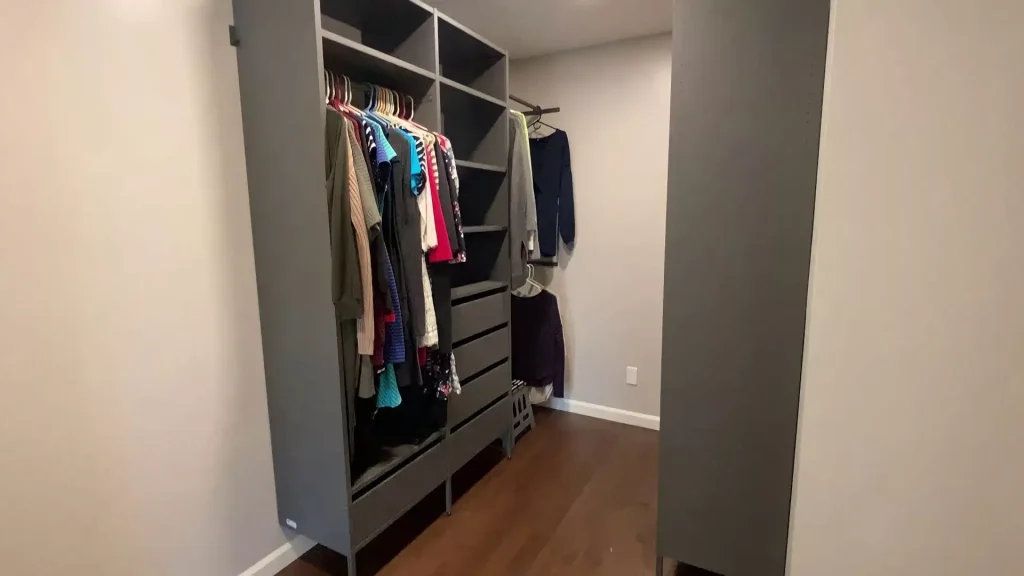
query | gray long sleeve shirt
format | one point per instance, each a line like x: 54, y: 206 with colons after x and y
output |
x: 523, y: 217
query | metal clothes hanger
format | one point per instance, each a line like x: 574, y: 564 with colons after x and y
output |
x: 535, y: 125
x: 525, y: 291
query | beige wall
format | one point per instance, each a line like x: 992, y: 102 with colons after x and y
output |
x: 615, y: 108
x: 911, y: 442
x: 133, y: 426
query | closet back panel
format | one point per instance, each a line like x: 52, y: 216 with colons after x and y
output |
x: 487, y: 259
x: 483, y: 197
x: 278, y: 69
x: 743, y: 157
x: 468, y: 59
x: 477, y: 128
x: 343, y: 57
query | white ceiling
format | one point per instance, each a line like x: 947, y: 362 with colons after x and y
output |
x: 533, y: 27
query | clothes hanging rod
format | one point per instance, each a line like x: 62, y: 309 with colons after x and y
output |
x: 534, y: 110
x: 365, y: 85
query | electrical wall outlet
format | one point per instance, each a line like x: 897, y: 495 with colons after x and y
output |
x: 631, y: 375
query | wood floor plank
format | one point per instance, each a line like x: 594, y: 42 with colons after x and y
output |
x: 578, y: 497
x: 610, y: 528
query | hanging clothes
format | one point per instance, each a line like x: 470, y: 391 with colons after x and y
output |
x: 453, y: 175
x: 442, y: 251
x: 392, y: 198
x: 407, y: 229
x: 364, y: 324
x: 523, y: 206
x: 371, y: 214
x: 345, y: 284
x: 538, y: 346
x: 445, y: 198
x: 553, y: 189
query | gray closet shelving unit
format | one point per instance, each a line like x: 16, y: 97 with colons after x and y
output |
x: 460, y: 84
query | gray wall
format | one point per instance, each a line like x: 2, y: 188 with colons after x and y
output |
x: 746, y: 107
x: 601, y: 282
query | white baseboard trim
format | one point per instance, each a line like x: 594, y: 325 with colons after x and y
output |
x: 278, y: 559
x: 605, y: 413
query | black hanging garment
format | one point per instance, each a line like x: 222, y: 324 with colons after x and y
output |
x: 538, y: 347
x: 552, y: 187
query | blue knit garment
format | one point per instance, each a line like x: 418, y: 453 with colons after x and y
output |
x: 387, y: 392
x: 394, y: 338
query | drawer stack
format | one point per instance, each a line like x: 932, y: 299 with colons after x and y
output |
x: 481, y: 333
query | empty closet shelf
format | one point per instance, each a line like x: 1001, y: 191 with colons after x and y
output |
x: 480, y: 166
x: 369, y: 65
x: 473, y: 93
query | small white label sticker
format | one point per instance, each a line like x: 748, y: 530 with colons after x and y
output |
x: 291, y: 523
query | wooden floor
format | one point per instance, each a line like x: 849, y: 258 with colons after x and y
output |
x: 578, y: 497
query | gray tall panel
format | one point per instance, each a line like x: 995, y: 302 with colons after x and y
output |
x: 282, y: 115
x: 747, y: 85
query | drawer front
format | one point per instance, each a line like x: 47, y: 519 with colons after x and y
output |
x: 473, y: 357
x: 478, y: 393
x: 377, y: 508
x: 478, y: 316
x: 469, y: 440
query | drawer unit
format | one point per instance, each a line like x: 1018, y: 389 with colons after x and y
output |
x: 478, y: 393
x: 375, y: 510
x: 468, y: 441
x: 471, y: 358
x: 472, y: 318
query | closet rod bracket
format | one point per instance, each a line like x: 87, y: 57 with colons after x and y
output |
x: 233, y: 38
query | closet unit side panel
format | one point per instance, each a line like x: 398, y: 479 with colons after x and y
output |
x: 747, y: 85
x: 282, y: 112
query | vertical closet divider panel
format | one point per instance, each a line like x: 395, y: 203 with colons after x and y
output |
x: 283, y: 121
x: 460, y: 84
